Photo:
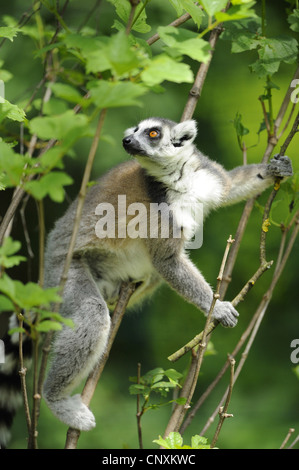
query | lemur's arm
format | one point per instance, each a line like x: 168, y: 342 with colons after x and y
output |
x: 181, y: 274
x: 249, y: 180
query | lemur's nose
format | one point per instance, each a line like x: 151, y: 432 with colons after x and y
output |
x: 127, y: 140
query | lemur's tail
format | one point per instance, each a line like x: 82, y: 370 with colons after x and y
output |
x: 10, y: 384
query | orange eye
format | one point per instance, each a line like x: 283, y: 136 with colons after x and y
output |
x: 153, y: 134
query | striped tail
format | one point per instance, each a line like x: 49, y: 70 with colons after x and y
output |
x: 10, y: 384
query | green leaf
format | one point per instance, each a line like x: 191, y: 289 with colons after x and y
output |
x: 240, y: 129
x: 236, y: 12
x: 173, y: 441
x: 199, y: 442
x: 273, y: 51
x: 43, y: 314
x: 185, y: 42
x: 163, y: 68
x: 11, y: 111
x: 48, y: 325
x: 18, y: 329
x: 5, y: 75
x: 114, y: 94
x: 243, y: 34
x: 31, y: 294
x: 153, y: 376
x: 97, y: 61
x: 8, y: 32
x: 115, y: 54
x: 180, y: 401
x: 27, y: 296
x: 8, y: 286
x: 293, y: 19
x: 5, y: 304
x: 51, y: 184
x: 213, y: 6
x: 240, y: 2
x: 161, y: 385
x: 196, y: 13
x: 173, y: 375
x: 121, y: 55
x: 67, y: 92
x: 11, y: 165
x: 52, y: 158
x: 7, y: 250
x: 59, y: 127
x: 137, y: 389
x: 123, y: 9
x: 177, y: 5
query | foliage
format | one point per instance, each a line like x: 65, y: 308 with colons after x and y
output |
x: 30, y: 302
x: 152, y: 383
x: 175, y: 441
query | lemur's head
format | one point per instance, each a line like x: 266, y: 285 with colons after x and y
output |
x: 157, y: 138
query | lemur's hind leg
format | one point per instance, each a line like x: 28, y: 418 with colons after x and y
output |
x: 76, y: 351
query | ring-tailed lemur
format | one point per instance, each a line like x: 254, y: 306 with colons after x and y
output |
x: 167, y: 168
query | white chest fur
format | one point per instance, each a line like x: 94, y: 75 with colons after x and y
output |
x: 192, y: 197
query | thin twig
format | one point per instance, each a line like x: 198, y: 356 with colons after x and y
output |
x: 176, y: 23
x: 223, y: 410
x: 134, y: 4
x: 22, y: 373
x: 139, y: 412
x: 290, y: 136
x: 294, y: 443
x: 198, y: 84
x: 290, y: 432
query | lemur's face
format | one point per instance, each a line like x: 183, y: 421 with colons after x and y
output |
x: 156, y: 138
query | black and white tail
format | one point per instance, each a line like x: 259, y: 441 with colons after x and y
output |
x: 10, y: 384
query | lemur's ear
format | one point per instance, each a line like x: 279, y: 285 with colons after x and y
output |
x: 183, y: 133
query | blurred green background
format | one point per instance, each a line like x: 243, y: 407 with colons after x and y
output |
x: 265, y: 400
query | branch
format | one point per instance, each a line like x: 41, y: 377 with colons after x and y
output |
x: 264, y: 266
x: 219, y: 376
x: 294, y: 442
x: 134, y: 4
x: 291, y: 430
x: 176, y: 23
x: 197, y: 358
x: 261, y: 310
x: 91, y: 383
x: 223, y: 410
x: 214, y: 323
x: 290, y: 136
x: 22, y: 373
x: 197, y: 87
x: 250, y: 203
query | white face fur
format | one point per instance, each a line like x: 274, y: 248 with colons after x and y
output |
x: 157, y: 138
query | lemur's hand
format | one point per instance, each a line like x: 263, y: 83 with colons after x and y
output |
x: 280, y: 166
x: 225, y: 313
